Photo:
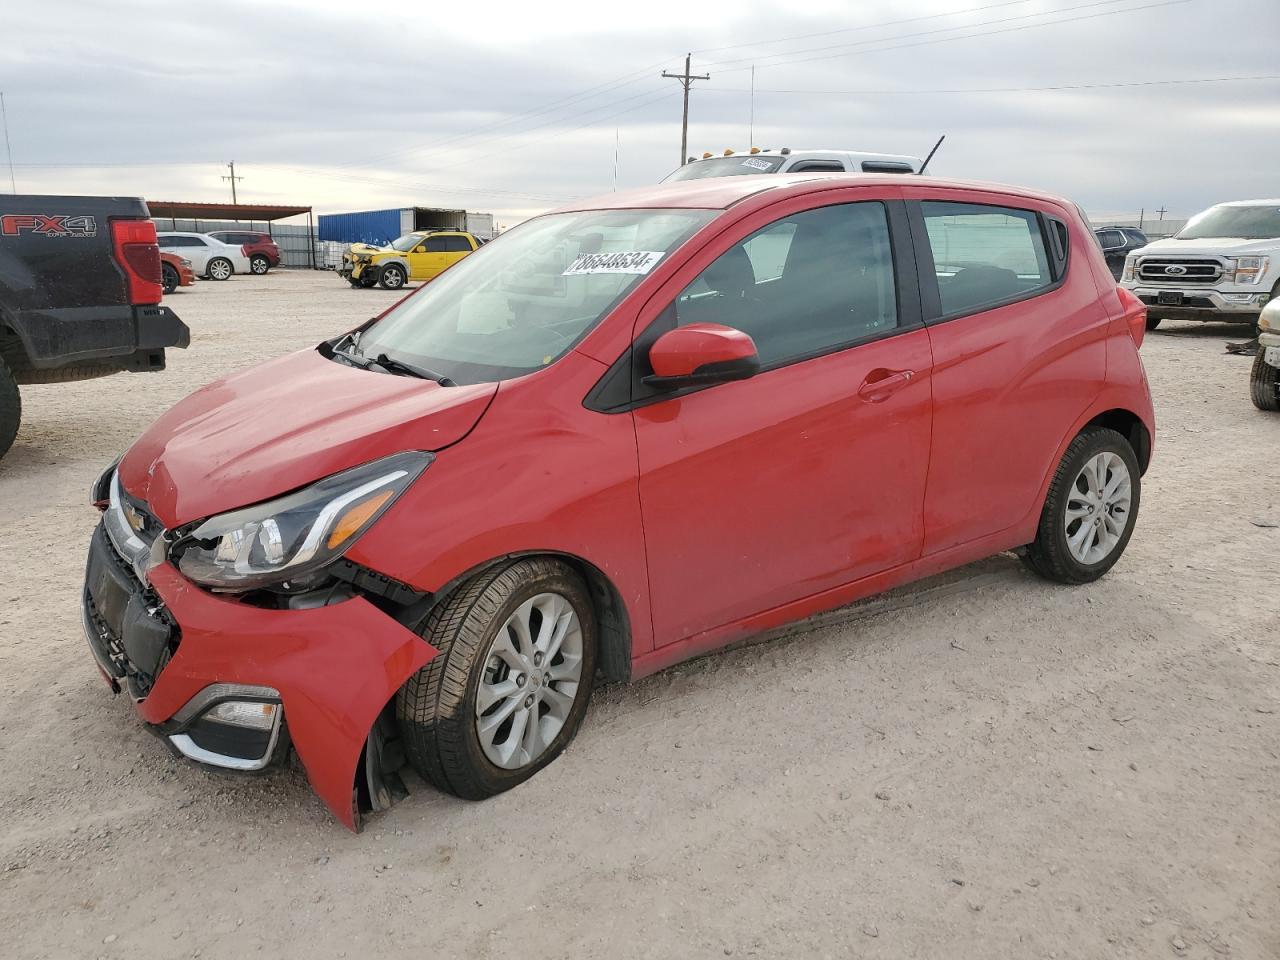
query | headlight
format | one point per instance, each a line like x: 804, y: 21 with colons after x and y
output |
x: 294, y: 536
x: 184, y: 261
x: 1129, y: 263
x: 1251, y: 269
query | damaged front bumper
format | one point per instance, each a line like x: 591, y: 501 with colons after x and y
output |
x: 234, y: 685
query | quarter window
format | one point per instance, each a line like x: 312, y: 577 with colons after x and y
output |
x: 803, y: 285
x: 985, y: 255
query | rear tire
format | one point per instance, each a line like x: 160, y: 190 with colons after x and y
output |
x: 392, y: 277
x: 10, y: 409
x: 1264, y: 383
x: 1090, y: 511
x: 220, y: 268
x: 259, y: 264
x: 479, y: 646
x: 169, y: 278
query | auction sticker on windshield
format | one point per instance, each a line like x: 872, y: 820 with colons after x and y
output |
x: 628, y: 261
x: 757, y: 164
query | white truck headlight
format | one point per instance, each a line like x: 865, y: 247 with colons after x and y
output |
x: 296, y: 535
x: 1251, y: 269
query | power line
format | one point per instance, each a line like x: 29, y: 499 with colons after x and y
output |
x: 964, y: 90
x: 928, y: 33
x: 865, y: 26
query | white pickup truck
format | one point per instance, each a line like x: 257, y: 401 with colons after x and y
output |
x: 1224, y: 265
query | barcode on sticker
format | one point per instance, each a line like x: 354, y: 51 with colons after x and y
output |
x: 627, y: 261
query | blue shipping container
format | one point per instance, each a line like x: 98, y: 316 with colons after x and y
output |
x: 369, y: 226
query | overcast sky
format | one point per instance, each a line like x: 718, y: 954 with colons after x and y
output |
x: 516, y: 107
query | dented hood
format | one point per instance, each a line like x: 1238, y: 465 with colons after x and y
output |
x: 284, y: 424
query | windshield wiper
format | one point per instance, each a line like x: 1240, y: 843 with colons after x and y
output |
x: 392, y: 365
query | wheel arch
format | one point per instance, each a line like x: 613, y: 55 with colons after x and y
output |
x: 1130, y: 426
x: 614, y: 654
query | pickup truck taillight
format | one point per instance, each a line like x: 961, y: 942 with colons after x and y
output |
x: 138, y: 254
x: 1135, y: 314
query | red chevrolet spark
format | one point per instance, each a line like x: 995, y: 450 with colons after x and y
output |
x: 621, y: 435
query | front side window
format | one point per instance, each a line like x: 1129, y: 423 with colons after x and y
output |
x: 985, y: 255
x: 520, y: 302
x: 803, y: 285
x: 435, y: 245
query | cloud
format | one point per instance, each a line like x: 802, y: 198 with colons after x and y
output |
x: 508, y: 107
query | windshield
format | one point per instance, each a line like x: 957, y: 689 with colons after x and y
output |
x: 520, y: 302
x: 725, y: 167
x: 1248, y: 223
x: 407, y: 242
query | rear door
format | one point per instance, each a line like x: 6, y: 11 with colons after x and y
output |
x: 812, y: 473
x: 1018, y: 337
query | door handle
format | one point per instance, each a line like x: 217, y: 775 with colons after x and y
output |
x: 881, y: 384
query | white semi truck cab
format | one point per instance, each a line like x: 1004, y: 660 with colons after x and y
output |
x: 1223, y: 266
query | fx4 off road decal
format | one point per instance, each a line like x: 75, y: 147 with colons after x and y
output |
x: 16, y: 224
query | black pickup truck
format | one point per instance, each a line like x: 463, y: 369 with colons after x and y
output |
x: 80, y: 288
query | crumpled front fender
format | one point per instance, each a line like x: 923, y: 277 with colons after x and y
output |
x: 336, y: 667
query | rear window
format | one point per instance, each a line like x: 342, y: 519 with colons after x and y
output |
x: 985, y: 255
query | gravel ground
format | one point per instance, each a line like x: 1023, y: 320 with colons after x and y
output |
x: 984, y: 765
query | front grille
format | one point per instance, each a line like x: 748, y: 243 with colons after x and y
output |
x: 1184, y: 270
x: 110, y: 621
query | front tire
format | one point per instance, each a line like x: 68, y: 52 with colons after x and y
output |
x: 169, y: 278
x: 1090, y: 511
x: 220, y: 268
x: 510, y: 686
x: 392, y: 277
x: 1153, y: 322
x: 259, y: 264
x: 1264, y: 383
x: 10, y: 409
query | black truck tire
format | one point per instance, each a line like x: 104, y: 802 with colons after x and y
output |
x: 10, y: 409
x: 1153, y: 322
x: 1264, y: 384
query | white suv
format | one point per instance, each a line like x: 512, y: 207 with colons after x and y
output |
x: 787, y: 160
x: 209, y: 258
x: 1224, y: 265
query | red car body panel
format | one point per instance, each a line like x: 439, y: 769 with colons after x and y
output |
x: 937, y: 450
x: 282, y: 424
x: 335, y: 667
x: 186, y: 276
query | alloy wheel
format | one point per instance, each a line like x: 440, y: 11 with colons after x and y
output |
x: 220, y: 270
x: 1098, y: 508
x: 530, y: 681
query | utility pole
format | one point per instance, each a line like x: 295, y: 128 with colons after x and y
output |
x: 4, y: 116
x: 686, y: 80
x: 233, y: 178
x: 1142, y: 217
x: 1162, y: 211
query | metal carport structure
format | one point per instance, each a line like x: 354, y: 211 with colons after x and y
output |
x: 218, y: 212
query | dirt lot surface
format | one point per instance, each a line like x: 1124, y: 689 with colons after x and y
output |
x: 985, y: 765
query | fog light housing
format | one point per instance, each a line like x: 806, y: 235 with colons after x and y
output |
x: 1239, y: 297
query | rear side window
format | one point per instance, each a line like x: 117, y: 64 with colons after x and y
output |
x: 456, y: 245
x: 435, y: 245
x: 985, y: 255
x: 803, y: 285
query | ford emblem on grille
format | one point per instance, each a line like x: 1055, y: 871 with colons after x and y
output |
x: 1175, y: 269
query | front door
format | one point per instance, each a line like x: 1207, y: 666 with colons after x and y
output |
x: 812, y: 473
x: 437, y: 253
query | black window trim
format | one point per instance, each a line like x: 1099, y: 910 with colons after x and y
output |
x: 622, y: 388
x: 818, y: 166
x: 926, y: 271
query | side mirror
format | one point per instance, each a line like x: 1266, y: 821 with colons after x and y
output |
x: 701, y: 354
